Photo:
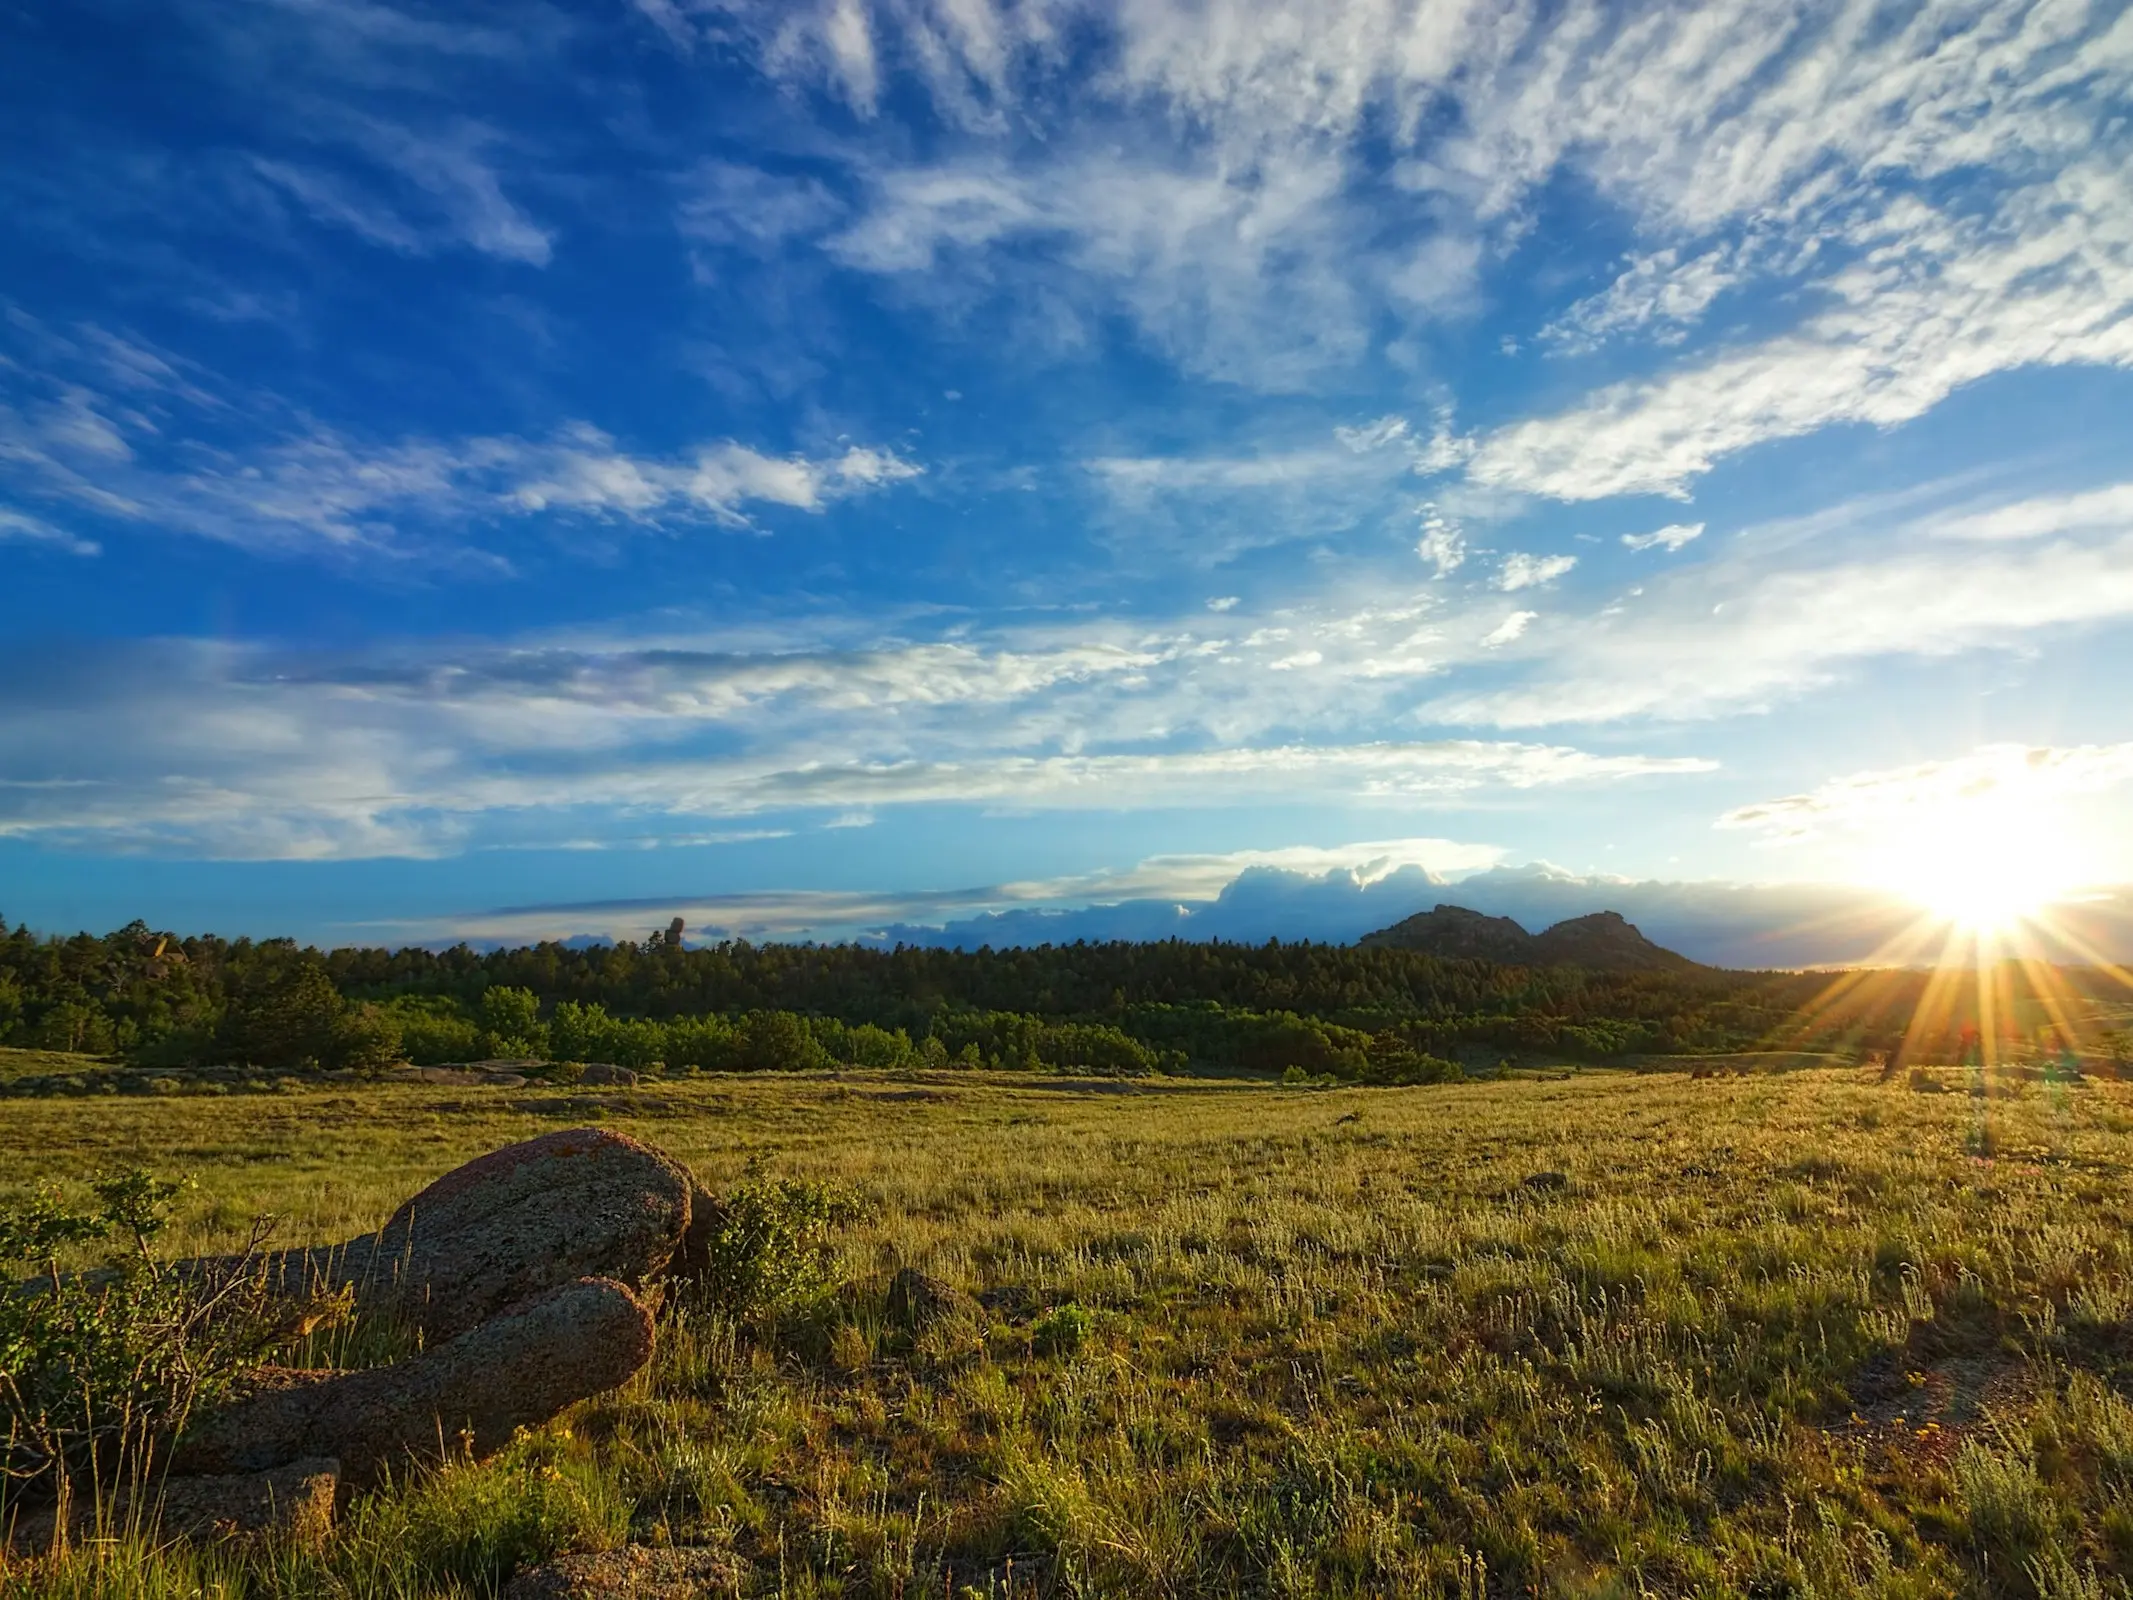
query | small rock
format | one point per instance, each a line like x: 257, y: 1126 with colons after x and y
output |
x: 606, y: 1073
x: 917, y: 1300
x: 516, y: 1371
x: 632, y: 1573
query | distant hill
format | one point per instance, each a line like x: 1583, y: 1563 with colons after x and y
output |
x: 1602, y: 942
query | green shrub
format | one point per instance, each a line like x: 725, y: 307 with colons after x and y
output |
x: 98, y: 1369
x: 1063, y: 1330
x: 768, y: 1251
x: 434, y: 1029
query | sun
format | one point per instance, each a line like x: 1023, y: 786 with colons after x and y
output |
x: 1985, y: 864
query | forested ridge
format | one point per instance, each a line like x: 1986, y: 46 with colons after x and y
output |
x: 154, y: 998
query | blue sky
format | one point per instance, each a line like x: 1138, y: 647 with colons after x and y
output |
x: 850, y: 464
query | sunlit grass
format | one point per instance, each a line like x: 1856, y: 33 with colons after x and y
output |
x: 1778, y: 1334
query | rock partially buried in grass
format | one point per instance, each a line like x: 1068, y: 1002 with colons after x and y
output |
x: 294, y: 1501
x: 631, y: 1573
x: 581, y: 1203
x: 515, y: 1371
x: 917, y: 1301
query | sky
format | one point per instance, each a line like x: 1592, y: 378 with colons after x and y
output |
x: 848, y: 467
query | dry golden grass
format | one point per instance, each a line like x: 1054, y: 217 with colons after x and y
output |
x: 1607, y: 1334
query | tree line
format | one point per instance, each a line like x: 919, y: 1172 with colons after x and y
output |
x: 154, y: 998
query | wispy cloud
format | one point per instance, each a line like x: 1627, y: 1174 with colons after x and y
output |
x: 1510, y: 629
x: 1659, y: 294
x: 1673, y: 536
x: 18, y: 525
x: 249, y: 753
x: 1785, y: 609
x: 1523, y: 571
x: 136, y: 451
x: 1768, y: 147
x: 1987, y: 775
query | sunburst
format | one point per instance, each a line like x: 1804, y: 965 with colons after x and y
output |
x: 1993, y: 954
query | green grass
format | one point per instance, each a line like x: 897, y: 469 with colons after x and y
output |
x: 1608, y: 1335
x: 18, y: 1063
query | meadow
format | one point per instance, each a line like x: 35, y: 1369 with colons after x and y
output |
x: 1590, y: 1333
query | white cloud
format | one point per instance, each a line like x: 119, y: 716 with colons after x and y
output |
x: 1223, y: 602
x: 1671, y: 537
x: 790, y: 914
x: 1785, y: 609
x: 236, y: 752
x: 1522, y: 571
x: 1192, y: 876
x: 1442, y: 544
x: 1333, y: 894
x: 1374, y: 435
x: 1804, y: 150
x: 310, y: 484
x: 1658, y: 293
x: 1986, y: 776
x: 726, y: 204
x: 1933, y: 302
x: 1235, y: 272
x: 1280, y: 494
x: 2106, y: 509
x: 1510, y: 629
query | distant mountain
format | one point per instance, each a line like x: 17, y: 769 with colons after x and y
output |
x: 1459, y: 934
x: 1601, y: 942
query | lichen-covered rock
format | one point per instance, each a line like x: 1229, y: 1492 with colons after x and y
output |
x: 606, y: 1073
x: 507, y: 1226
x: 580, y: 1203
x: 473, y: 1392
x: 632, y: 1573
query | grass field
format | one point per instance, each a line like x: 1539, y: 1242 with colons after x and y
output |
x: 1608, y: 1334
